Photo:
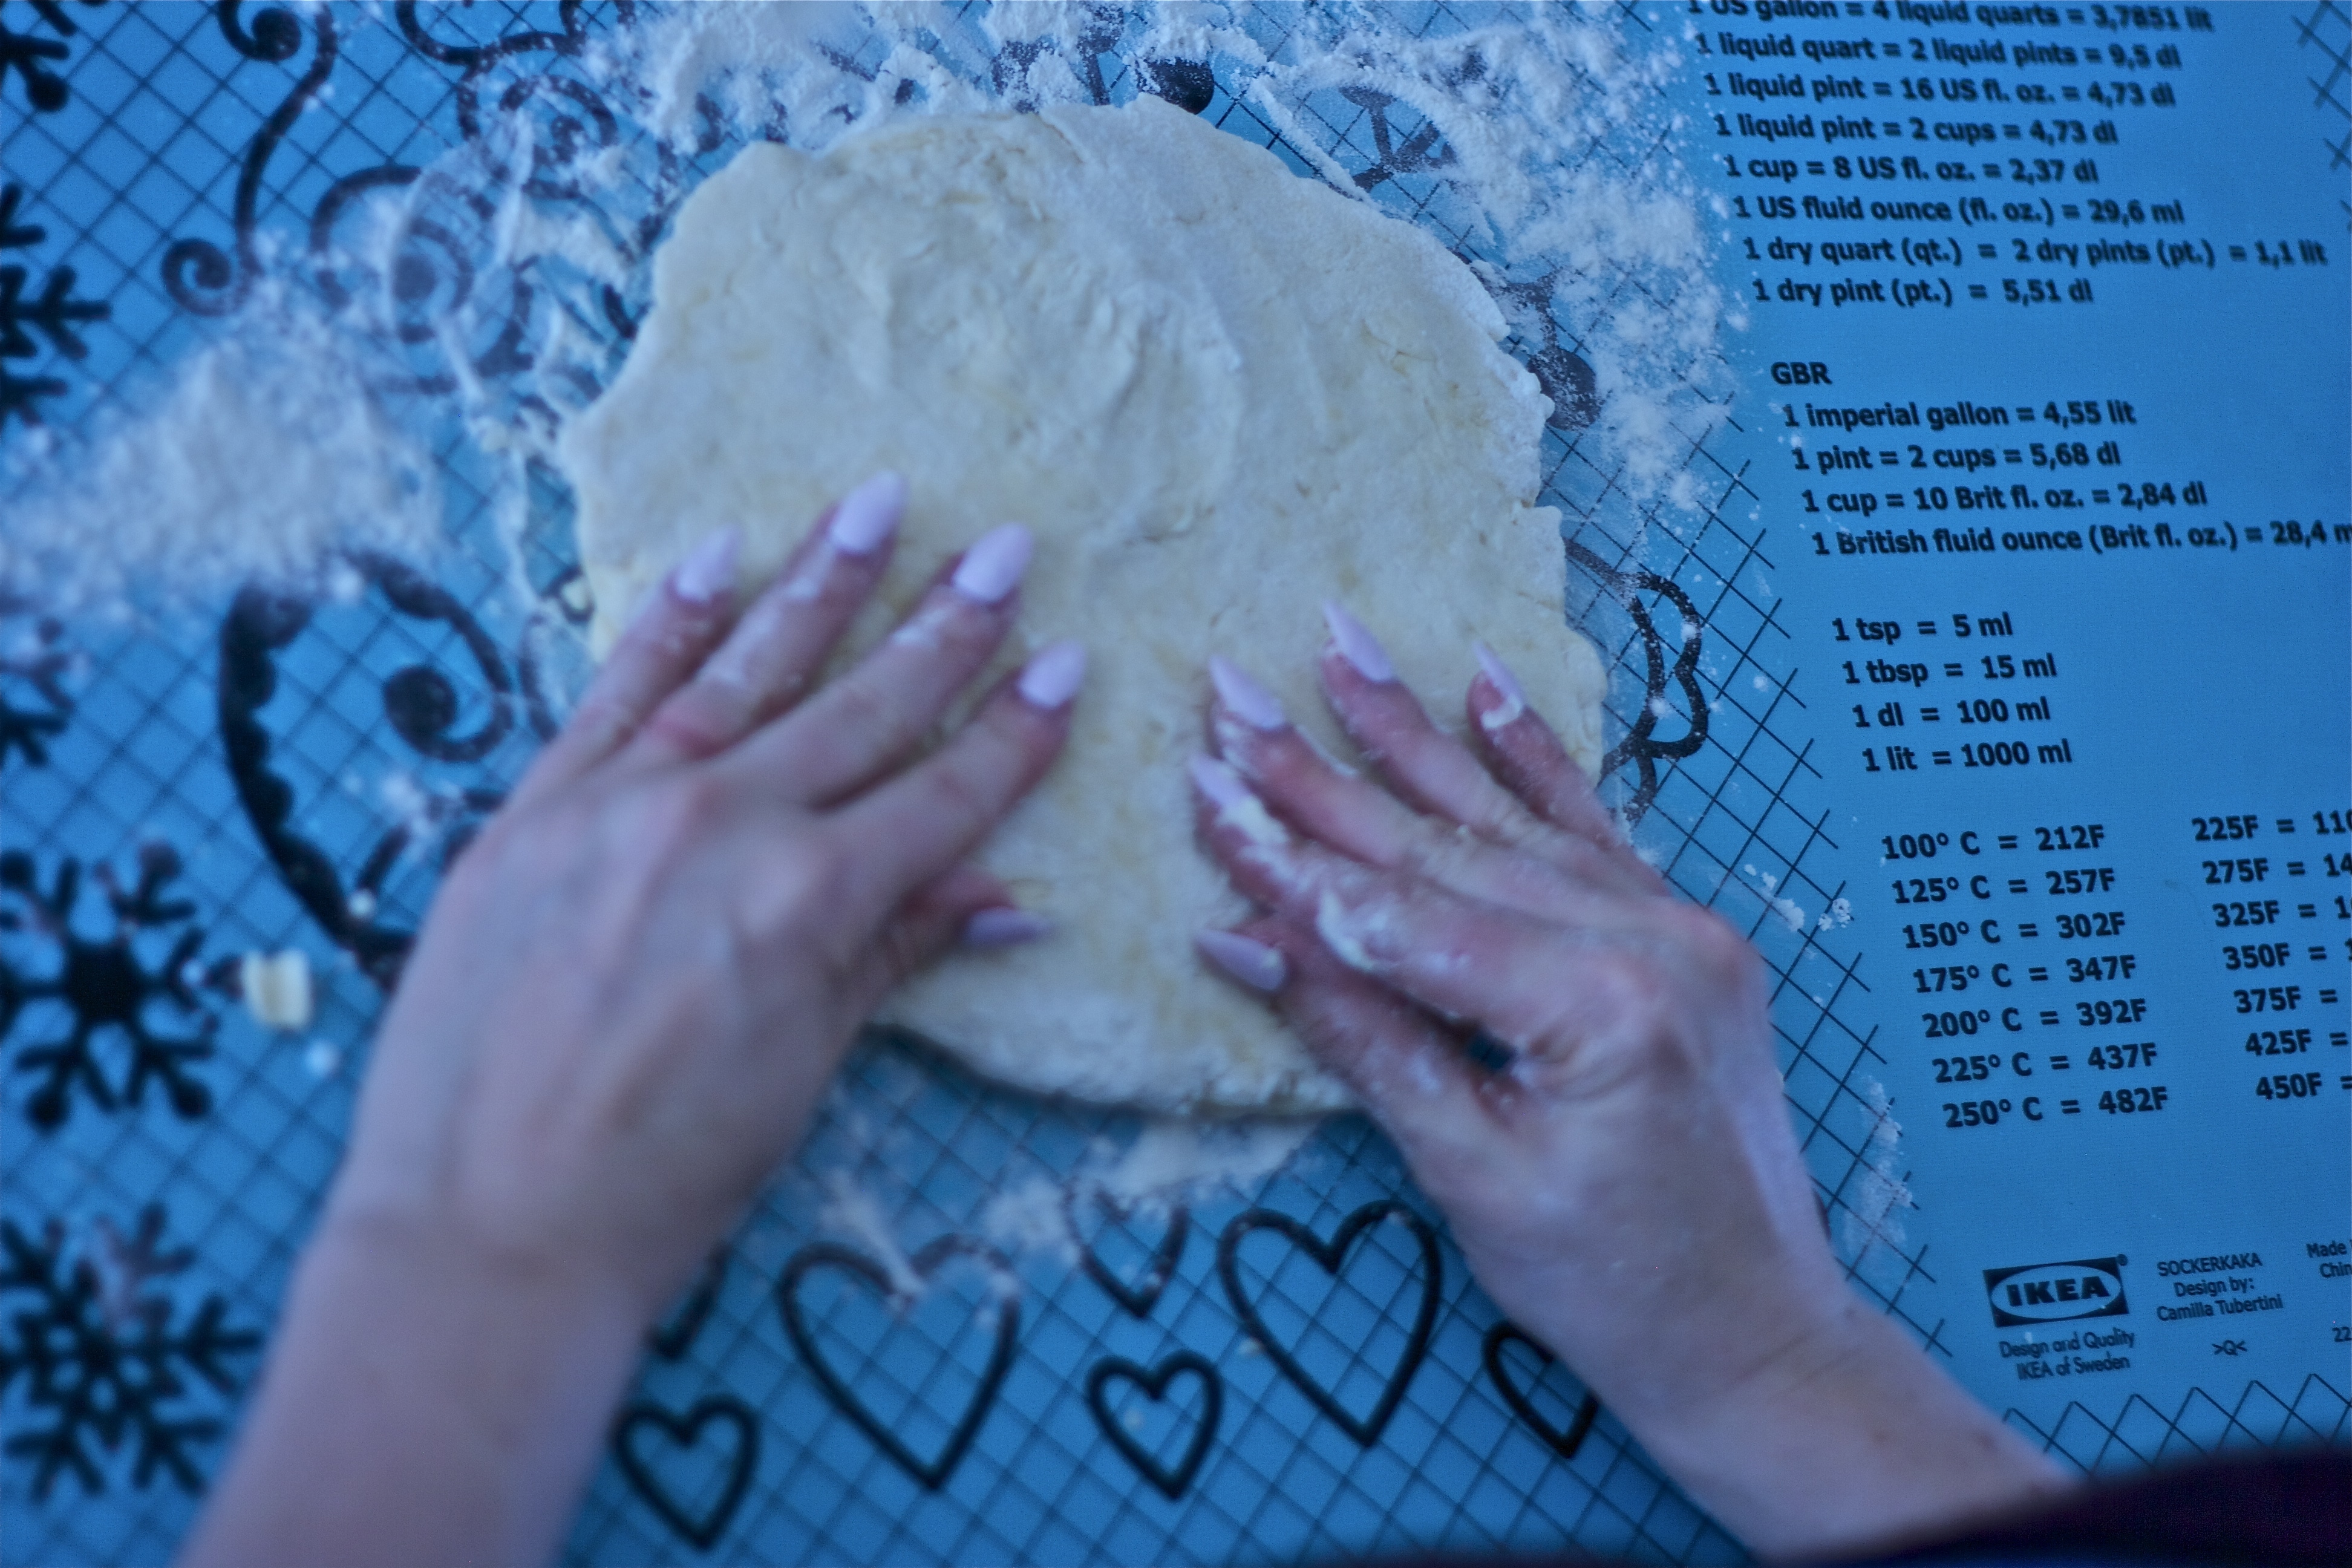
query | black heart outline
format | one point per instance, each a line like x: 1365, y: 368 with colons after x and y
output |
x: 685, y: 1431
x: 925, y: 1263
x: 1137, y: 1299
x: 672, y: 1337
x: 1154, y: 1382
x: 1564, y: 1443
x: 1328, y: 1257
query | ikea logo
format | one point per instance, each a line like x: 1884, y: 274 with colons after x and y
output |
x: 2052, y: 1292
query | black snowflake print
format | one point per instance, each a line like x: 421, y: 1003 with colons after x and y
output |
x: 110, y: 990
x: 95, y: 1356
x: 29, y: 315
x: 35, y: 663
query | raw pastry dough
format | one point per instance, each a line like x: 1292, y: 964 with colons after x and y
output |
x: 1219, y: 392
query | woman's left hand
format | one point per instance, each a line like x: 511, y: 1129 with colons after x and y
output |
x: 639, y: 978
x: 628, y: 997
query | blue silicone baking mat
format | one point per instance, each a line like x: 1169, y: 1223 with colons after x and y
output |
x: 1960, y: 492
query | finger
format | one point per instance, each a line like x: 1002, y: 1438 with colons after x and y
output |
x: 909, y: 830
x: 1409, y: 1072
x: 785, y: 634
x: 1528, y: 757
x: 1431, y: 770
x: 965, y: 907
x: 876, y: 716
x: 1358, y: 819
x: 671, y: 635
x: 1463, y: 957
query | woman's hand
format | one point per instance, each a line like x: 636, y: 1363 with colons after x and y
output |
x: 638, y: 981
x: 630, y: 993
x: 1577, y: 1066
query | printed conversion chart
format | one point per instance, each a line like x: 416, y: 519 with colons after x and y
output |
x: 2050, y: 301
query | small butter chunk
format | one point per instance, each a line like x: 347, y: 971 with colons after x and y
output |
x: 277, y: 989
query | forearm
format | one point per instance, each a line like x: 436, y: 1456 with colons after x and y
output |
x: 419, y: 1407
x: 1854, y: 1440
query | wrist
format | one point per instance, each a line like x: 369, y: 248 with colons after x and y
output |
x: 443, y: 1297
x: 434, y: 1399
x: 512, y: 1354
x: 1846, y: 1439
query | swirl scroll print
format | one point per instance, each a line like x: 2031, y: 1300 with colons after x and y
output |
x: 1641, y: 745
x: 197, y: 273
x: 423, y: 706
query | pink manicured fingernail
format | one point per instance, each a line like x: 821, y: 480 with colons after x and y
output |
x: 1053, y: 675
x: 1499, y: 676
x: 1252, y: 703
x: 1004, y: 927
x: 868, y: 514
x: 1237, y: 807
x: 1358, y: 645
x: 1255, y: 965
x: 993, y: 565
x: 709, y: 569
x: 1507, y: 712
x: 1219, y: 781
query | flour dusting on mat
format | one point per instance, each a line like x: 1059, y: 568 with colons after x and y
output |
x: 1167, y: 1163
x: 1172, y: 1161
x: 1870, y: 1216
x: 1546, y: 130
x: 263, y: 456
x: 855, y: 1213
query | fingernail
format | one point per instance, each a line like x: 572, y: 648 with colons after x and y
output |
x: 1004, y: 927
x: 709, y: 569
x: 1358, y: 645
x: 1218, y: 781
x: 1252, y: 703
x: 1052, y: 676
x: 868, y: 514
x: 1499, y: 676
x: 993, y: 565
x: 1254, y: 963
x: 1237, y: 807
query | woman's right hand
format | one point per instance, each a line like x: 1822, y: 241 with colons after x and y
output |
x: 1577, y: 1067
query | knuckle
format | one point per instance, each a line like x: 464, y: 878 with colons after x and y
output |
x: 692, y: 723
x: 803, y: 898
x: 958, y: 790
x: 973, y: 630
x: 602, y: 720
x: 861, y: 709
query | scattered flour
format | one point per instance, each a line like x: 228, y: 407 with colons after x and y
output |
x: 263, y: 455
x: 1604, y: 250
x: 1170, y: 1160
x: 1167, y: 1163
x: 1032, y: 1215
x: 1870, y: 1216
x: 855, y: 1215
x: 1790, y: 911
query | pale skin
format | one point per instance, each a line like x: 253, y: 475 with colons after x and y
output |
x: 637, y: 981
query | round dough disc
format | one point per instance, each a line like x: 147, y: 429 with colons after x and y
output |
x: 1221, y: 395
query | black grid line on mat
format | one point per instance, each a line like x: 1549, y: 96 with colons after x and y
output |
x: 2327, y: 29
x: 1047, y: 1487
x: 146, y: 156
x: 2206, y: 1421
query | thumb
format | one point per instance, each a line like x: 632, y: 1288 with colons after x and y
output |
x: 965, y: 906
